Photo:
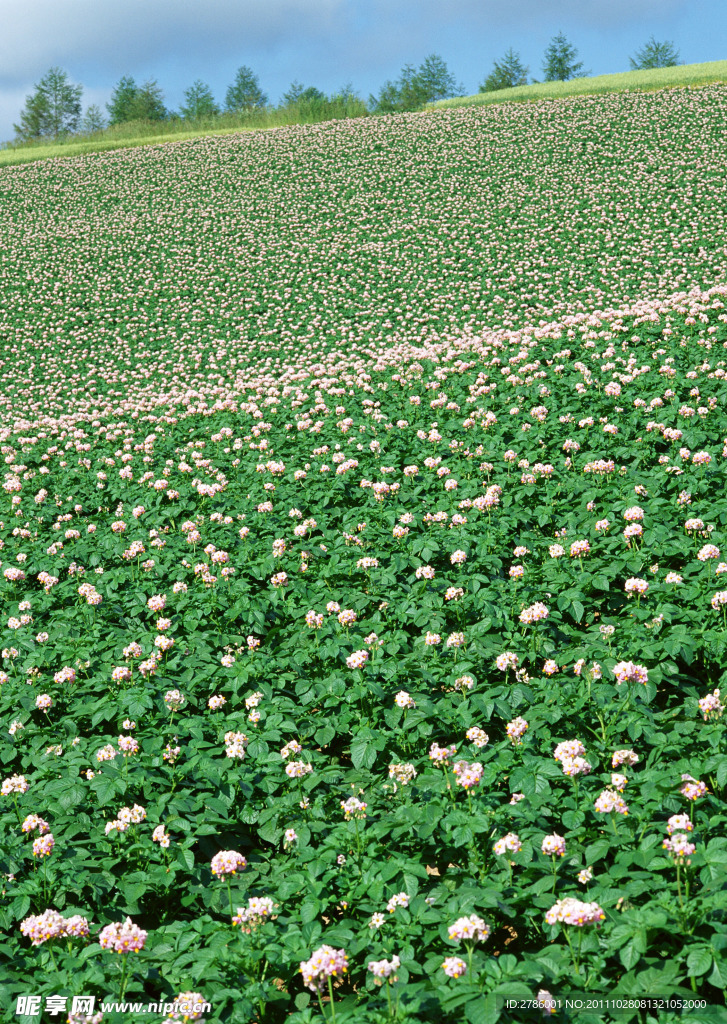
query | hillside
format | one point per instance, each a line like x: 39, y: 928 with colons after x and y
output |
x: 378, y: 233
x: 361, y: 558
x: 682, y: 76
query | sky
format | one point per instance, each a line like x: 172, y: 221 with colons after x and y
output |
x: 325, y: 43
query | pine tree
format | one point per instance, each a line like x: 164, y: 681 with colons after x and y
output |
x: 245, y: 92
x: 33, y: 118
x: 654, y: 55
x: 436, y: 80
x: 560, y: 62
x: 297, y: 93
x: 148, y: 103
x: 54, y: 108
x: 198, y: 102
x: 93, y: 120
x: 389, y: 99
x: 506, y: 73
x: 431, y: 81
x: 122, y: 99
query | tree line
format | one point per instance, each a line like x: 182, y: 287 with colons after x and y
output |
x: 54, y: 109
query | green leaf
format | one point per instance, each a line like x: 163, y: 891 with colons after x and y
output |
x: 363, y: 753
x: 629, y: 956
x: 186, y: 857
x: 309, y: 910
x: 699, y: 961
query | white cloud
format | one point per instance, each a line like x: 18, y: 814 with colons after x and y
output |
x: 321, y: 42
x: 124, y: 35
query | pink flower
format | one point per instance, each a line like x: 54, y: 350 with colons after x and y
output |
x: 259, y: 909
x: 516, y: 729
x: 325, y: 963
x: 50, y: 925
x: 33, y: 822
x: 636, y: 586
x: 43, y: 845
x: 546, y: 1002
x: 174, y: 700
x: 627, y: 757
x: 628, y: 672
x: 128, y: 745
x: 160, y: 835
x: 572, y: 911
x: 708, y: 551
x: 227, y: 862
x: 441, y: 755
x: 691, y: 788
x: 711, y: 706
x: 454, y: 967
x: 568, y: 749
x: 608, y: 802
x: 471, y: 928
x: 478, y: 736
x: 535, y: 613
x: 15, y: 784
x: 509, y: 843
x: 468, y: 775
x: 553, y: 846
x: 679, y: 823
x: 579, y: 548
x: 634, y: 514
x: 123, y: 938
x: 679, y: 846
x: 358, y: 659
x: 384, y: 970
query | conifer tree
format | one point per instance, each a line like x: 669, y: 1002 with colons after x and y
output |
x: 560, y: 62
x: 198, y: 102
x: 54, y: 108
x: 654, y: 55
x: 245, y: 92
x: 506, y: 73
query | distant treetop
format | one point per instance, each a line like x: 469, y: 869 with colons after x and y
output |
x: 245, y: 92
x: 54, y: 109
x: 560, y: 64
x: 431, y: 81
x: 506, y: 73
x: 654, y: 55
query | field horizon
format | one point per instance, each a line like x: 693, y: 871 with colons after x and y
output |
x: 149, y: 134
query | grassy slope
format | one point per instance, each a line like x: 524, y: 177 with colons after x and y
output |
x: 681, y: 76
x: 660, y: 78
x: 59, y: 150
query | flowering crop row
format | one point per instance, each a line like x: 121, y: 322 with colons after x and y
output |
x: 380, y: 684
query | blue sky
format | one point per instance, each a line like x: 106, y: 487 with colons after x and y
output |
x: 325, y: 43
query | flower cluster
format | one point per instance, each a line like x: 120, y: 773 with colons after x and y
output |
x: 324, y: 964
x: 572, y: 911
x: 123, y: 938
